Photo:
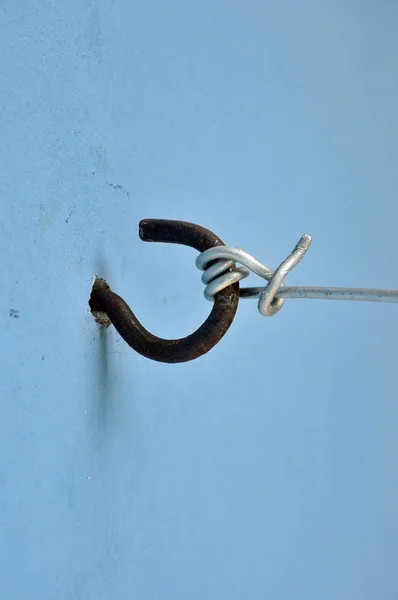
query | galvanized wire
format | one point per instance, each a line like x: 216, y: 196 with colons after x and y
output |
x: 271, y: 297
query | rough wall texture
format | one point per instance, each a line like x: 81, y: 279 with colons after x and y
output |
x: 259, y: 471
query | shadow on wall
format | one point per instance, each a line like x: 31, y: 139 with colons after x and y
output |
x: 102, y: 395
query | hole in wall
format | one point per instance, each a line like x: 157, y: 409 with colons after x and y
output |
x: 95, y: 308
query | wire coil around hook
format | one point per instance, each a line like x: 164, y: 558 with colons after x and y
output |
x: 272, y: 296
x: 215, y: 278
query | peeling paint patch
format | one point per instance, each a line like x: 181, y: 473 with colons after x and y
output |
x: 101, y: 317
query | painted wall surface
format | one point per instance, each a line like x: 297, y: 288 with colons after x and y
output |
x: 267, y: 468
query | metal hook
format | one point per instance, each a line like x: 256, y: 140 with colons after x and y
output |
x: 103, y: 300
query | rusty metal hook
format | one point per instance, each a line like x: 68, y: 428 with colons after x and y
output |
x: 103, y: 300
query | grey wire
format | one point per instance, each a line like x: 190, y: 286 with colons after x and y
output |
x: 217, y: 276
x: 271, y: 298
x: 326, y: 293
x: 268, y: 305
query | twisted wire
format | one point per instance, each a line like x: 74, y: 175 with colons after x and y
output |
x: 271, y: 297
x: 217, y: 276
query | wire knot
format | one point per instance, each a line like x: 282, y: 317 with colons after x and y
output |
x: 217, y: 263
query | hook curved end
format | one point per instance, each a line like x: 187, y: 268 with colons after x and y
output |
x: 104, y: 300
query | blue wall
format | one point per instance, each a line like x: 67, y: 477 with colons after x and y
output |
x: 267, y: 468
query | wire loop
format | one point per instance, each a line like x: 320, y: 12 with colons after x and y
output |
x: 272, y: 296
x: 215, y: 279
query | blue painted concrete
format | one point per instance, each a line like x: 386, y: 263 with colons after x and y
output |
x: 266, y: 469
